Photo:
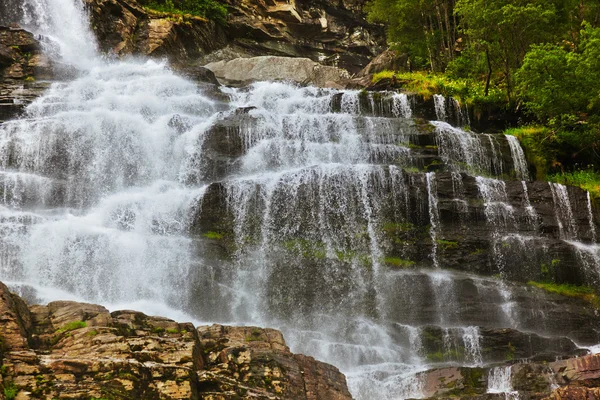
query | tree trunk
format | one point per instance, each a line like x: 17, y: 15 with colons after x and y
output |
x: 489, y: 76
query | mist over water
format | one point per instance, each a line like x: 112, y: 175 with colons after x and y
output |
x: 105, y: 175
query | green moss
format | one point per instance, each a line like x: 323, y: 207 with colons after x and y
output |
x: 306, y: 248
x: 447, y: 244
x: 213, y: 235
x: 564, y: 289
x: 393, y: 227
x: 477, y: 252
x: 92, y: 333
x: 398, y: 262
x: 71, y: 326
x: 510, y: 352
x: 30, y: 79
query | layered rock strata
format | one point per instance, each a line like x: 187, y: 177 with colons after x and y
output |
x: 68, y: 350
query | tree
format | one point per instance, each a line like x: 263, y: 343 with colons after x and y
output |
x: 504, y: 31
x: 422, y: 28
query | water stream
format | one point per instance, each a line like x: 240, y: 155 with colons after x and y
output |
x: 108, y: 188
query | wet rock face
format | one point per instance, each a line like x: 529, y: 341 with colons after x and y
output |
x: 21, y: 63
x: 577, y: 378
x: 76, y: 350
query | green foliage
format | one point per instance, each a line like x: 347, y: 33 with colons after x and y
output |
x: 539, y: 146
x: 71, y: 326
x: 586, y: 179
x: 466, y: 91
x: 564, y: 289
x: 211, y: 9
x: 10, y: 390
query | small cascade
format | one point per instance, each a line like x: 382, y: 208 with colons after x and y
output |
x: 401, y: 105
x: 472, y: 342
x: 462, y: 117
x: 464, y: 151
x: 350, y: 103
x: 439, y: 102
x: 498, y: 211
x: 500, y: 381
x: 497, y: 164
x: 529, y: 210
x: 434, y: 217
x: 563, y: 211
x: 518, y: 156
x: 591, y: 218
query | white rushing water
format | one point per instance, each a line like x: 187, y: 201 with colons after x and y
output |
x: 106, y: 178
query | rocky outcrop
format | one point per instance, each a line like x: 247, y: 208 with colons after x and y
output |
x: 335, y: 33
x: 578, y: 378
x: 243, y: 71
x: 124, y: 27
x: 21, y: 65
x: 81, y: 351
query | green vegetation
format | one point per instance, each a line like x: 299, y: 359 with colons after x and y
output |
x: 398, y: 262
x: 213, y: 235
x: 447, y: 244
x: 465, y: 90
x: 586, y: 179
x: 10, y: 390
x: 540, y: 58
x: 564, y: 289
x: 71, y: 326
x: 211, y: 9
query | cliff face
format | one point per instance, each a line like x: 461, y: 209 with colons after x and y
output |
x: 20, y: 61
x: 334, y: 33
x: 81, y: 351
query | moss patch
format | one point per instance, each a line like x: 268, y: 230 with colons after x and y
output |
x: 564, y: 289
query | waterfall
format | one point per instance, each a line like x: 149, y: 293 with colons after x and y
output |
x: 401, y: 105
x: 465, y: 151
x: 563, y: 212
x: 500, y: 381
x: 64, y: 27
x: 434, y: 217
x: 272, y: 205
x: 591, y: 217
x: 518, y: 157
x: 439, y: 102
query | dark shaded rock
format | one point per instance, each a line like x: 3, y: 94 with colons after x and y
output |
x: 199, y: 74
x: 389, y: 60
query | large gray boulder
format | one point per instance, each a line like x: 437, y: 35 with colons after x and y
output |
x: 243, y: 71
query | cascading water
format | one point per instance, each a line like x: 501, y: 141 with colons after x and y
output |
x: 108, y: 189
x: 518, y: 156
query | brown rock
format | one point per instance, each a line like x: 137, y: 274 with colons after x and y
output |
x: 80, y: 351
